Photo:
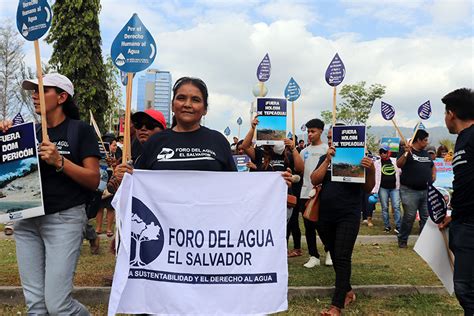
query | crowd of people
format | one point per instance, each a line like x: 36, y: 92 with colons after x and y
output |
x: 48, y: 247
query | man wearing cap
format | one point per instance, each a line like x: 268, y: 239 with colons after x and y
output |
x: 387, y: 185
x: 432, y: 152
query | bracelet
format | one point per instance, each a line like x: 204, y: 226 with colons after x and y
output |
x: 60, y: 169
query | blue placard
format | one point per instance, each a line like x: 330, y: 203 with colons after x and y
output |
x: 303, y: 128
x: 292, y: 90
x: 239, y: 121
x: 227, y: 131
x: 388, y: 112
x: 350, y: 150
x: 424, y: 111
x: 271, y: 128
x: 264, y: 69
x: 33, y: 18
x: 437, y: 207
x: 335, y: 72
x: 420, y: 125
x: 134, y: 49
x: 241, y: 162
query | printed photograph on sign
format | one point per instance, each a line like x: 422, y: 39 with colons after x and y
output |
x: 20, y: 182
x: 241, y: 162
x: 350, y: 150
x: 393, y: 144
x: 271, y: 128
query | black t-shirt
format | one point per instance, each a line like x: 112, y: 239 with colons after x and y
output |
x: 203, y: 149
x: 338, y: 199
x: 59, y: 191
x: 277, y: 162
x: 463, y: 167
x: 417, y: 171
x: 388, y: 179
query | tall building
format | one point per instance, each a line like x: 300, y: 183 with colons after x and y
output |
x: 154, y: 91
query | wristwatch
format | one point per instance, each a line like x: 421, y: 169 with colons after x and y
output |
x: 60, y: 169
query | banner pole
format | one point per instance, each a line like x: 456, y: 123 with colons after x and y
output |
x: 399, y: 132
x: 416, y: 131
x: 293, y: 122
x: 126, y: 137
x: 39, y: 74
x: 334, y: 107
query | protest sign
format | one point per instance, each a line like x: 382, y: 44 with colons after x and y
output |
x: 239, y: 122
x: 424, y: 111
x: 271, y: 128
x: 431, y: 247
x: 264, y: 69
x: 335, y: 74
x: 303, y: 128
x: 241, y: 162
x: 20, y: 182
x: 388, y: 113
x: 444, y: 173
x: 437, y: 207
x: 350, y: 150
x: 212, y: 245
x: 392, y: 142
x: 33, y: 19
x: 227, y: 131
x: 133, y: 50
x: 292, y: 93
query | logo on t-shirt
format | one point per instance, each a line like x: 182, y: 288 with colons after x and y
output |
x: 388, y: 170
x: 166, y: 153
x: 421, y: 158
x: 63, y: 147
x: 185, y: 154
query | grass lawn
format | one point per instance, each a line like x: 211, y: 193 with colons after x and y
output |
x: 397, y: 305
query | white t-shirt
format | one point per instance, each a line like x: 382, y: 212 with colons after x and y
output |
x: 310, y: 156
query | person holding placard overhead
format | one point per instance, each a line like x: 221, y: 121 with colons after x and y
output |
x: 459, y: 119
x: 339, y: 221
x: 48, y: 247
x: 417, y: 171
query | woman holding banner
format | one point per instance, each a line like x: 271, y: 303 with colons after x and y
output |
x: 48, y: 247
x: 339, y: 221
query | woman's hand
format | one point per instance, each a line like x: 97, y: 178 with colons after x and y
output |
x: 49, y: 153
x: 288, y: 176
x: 367, y: 163
x: 5, y: 125
x: 289, y: 143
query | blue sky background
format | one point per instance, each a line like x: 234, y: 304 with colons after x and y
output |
x: 347, y: 155
x: 419, y: 49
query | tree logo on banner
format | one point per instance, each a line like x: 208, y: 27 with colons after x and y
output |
x: 33, y: 18
x: 335, y: 72
x: 292, y: 90
x: 134, y: 49
x: 424, y: 111
x: 227, y: 131
x: 264, y: 69
x: 147, y: 235
x: 388, y: 112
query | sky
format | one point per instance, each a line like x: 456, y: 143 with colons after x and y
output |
x: 419, y: 49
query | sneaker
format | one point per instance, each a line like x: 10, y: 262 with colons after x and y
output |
x: 364, y: 221
x: 328, y: 261
x: 397, y: 231
x: 402, y: 244
x: 387, y: 229
x: 312, y: 262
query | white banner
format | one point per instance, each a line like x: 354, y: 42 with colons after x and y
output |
x: 199, y: 243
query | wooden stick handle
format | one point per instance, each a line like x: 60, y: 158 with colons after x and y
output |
x: 128, y: 108
x: 293, y: 122
x: 399, y: 132
x: 334, y: 106
x: 416, y: 131
x: 450, y: 254
x: 39, y: 74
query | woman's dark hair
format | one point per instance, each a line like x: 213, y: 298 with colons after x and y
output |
x: 70, y: 108
x: 198, y: 83
x: 420, y: 135
x: 441, y: 149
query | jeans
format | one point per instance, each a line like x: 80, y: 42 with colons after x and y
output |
x: 461, y: 243
x: 340, y: 238
x: 412, y: 200
x: 293, y: 225
x: 394, y: 195
x: 48, y: 249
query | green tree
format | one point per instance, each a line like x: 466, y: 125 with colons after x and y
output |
x: 357, y: 102
x: 448, y: 143
x: 114, y: 92
x: 77, y: 54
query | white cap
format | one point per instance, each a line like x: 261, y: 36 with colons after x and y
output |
x: 51, y: 80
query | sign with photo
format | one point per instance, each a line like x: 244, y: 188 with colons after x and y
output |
x: 350, y: 150
x: 271, y: 128
x: 20, y: 182
x: 241, y: 162
x: 393, y: 144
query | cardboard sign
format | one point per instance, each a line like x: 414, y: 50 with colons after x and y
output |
x: 20, y: 182
x: 264, y: 69
x: 271, y: 128
x: 292, y: 90
x: 350, y: 150
x: 424, y: 111
x: 335, y: 72
x: 392, y: 142
x: 33, y: 18
x: 388, y: 112
x: 134, y: 49
x: 241, y: 162
x: 437, y: 206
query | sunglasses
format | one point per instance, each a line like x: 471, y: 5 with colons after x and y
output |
x: 149, y: 125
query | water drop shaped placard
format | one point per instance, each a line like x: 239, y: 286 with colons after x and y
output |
x: 335, y: 72
x: 264, y: 69
x: 292, y: 90
x: 33, y: 18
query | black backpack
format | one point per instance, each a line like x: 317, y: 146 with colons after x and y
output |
x: 93, y: 197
